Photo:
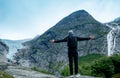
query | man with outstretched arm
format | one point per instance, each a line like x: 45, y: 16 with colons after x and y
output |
x: 71, y: 40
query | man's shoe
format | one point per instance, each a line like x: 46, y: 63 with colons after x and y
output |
x: 77, y: 75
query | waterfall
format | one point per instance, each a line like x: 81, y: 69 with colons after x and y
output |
x: 111, y: 38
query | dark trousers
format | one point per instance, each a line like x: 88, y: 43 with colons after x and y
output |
x: 73, y: 58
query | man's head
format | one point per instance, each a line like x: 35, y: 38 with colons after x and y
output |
x: 70, y: 32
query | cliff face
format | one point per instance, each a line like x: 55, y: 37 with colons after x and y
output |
x: 113, y: 36
x: 41, y: 53
x: 3, y: 51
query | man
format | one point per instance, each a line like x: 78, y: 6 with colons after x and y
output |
x: 71, y: 40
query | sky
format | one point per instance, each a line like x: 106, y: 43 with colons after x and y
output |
x: 22, y: 19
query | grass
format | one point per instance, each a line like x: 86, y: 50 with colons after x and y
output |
x: 84, y: 64
x: 89, y: 58
x: 5, y: 75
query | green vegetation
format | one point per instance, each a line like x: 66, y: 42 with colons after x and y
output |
x: 39, y: 70
x: 65, y: 71
x: 116, y: 62
x: 107, y: 66
x: 5, y: 75
x: 86, y: 61
x: 84, y: 64
x: 103, y: 67
x: 89, y: 58
x: 98, y: 66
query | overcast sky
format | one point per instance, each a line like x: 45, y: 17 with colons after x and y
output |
x: 21, y: 19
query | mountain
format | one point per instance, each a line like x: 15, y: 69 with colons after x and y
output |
x: 13, y: 46
x: 3, y: 52
x: 39, y: 52
x: 117, y: 20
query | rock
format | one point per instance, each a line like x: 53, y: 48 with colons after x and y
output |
x: 24, y: 72
x: 3, y: 66
x: 114, y: 37
x: 3, y: 51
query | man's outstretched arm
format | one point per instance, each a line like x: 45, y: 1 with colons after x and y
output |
x: 58, y: 41
x: 83, y: 39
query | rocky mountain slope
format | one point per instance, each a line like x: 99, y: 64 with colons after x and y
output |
x: 3, y: 59
x: 3, y: 51
x: 117, y: 20
x: 113, y: 36
x: 39, y: 52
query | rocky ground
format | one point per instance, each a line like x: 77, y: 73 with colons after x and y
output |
x: 24, y: 72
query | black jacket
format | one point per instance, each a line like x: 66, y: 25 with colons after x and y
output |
x: 72, y: 41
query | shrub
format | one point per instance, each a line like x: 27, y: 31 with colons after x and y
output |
x: 85, y: 69
x: 65, y: 71
x: 116, y: 62
x: 103, y: 67
x: 86, y: 61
